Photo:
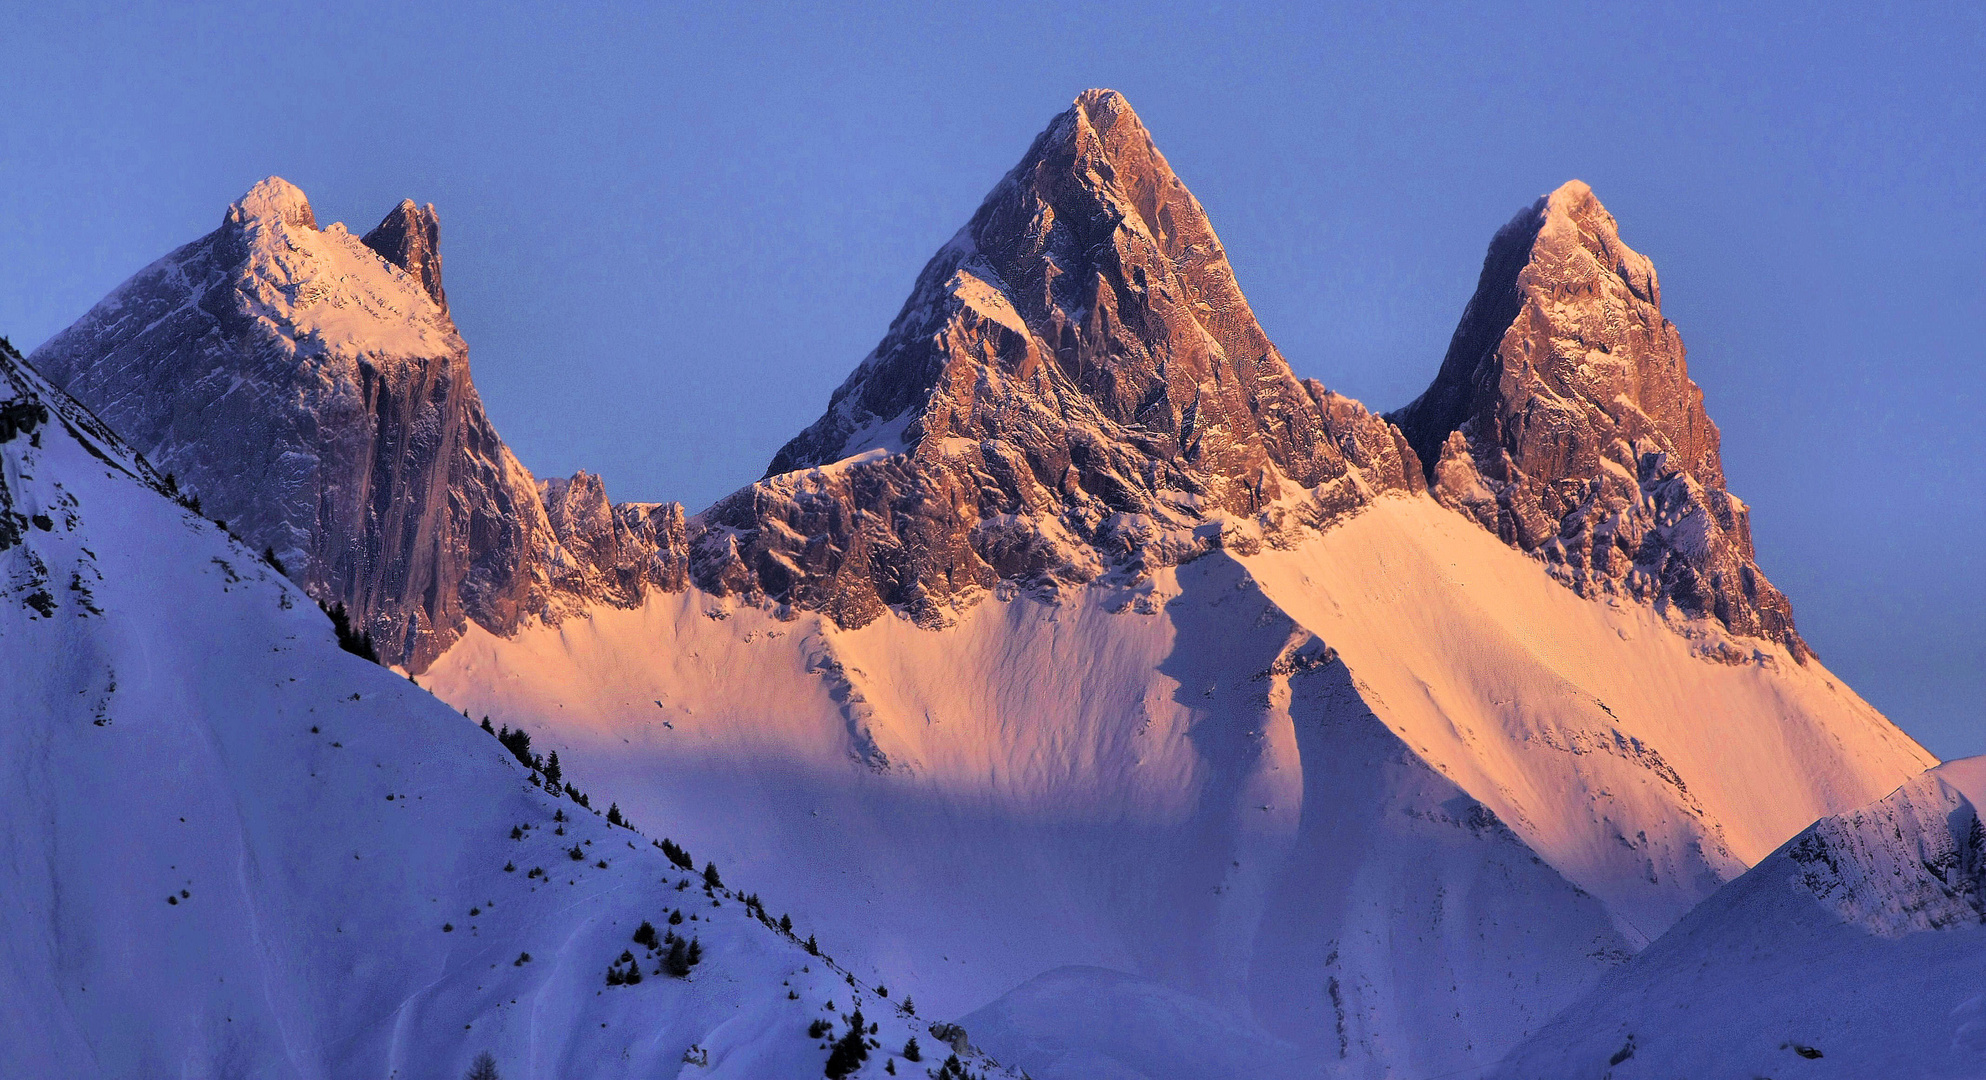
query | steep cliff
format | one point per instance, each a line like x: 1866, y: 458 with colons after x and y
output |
x: 310, y: 389
x: 1564, y: 420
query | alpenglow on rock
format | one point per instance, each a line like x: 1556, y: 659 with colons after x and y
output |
x: 311, y: 390
x: 1564, y: 420
x: 1076, y: 384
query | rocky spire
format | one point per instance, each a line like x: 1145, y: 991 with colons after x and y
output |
x: 1076, y: 382
x: 309, y: 395
x: 410, y: 238
x: 1564, y: 420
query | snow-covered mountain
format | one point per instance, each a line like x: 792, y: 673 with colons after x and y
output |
x: 1084, y: 669
x: 233, y: 850
x: 310, y: 389
x: 1857, y: 949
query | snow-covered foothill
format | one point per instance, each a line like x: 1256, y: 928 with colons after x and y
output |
x: 1857, y: 949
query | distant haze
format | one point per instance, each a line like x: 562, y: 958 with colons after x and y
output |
x: 667, y: 237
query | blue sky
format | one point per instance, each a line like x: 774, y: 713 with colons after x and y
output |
x: 670, y: 232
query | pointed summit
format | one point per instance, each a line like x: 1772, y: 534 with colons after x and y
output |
x: 1096, y: 255
x: 1076, y: 382
x: 410, y: 238
x: 1564, y: 419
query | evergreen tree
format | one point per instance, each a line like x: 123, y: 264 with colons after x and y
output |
x: 677, y: 963
x: 613, y: 810
x: 849, y: 1051
x: 911, y: 1052
x: 518, y: 743
x: 356, y: 642
x: 710, y: 878
x: 484, y: 1068
x: 677, y: 855
x: 552, y: 775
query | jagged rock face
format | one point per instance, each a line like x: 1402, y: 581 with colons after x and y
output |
x: 1075, y: 384
x: 1564, y: 420
x: 612, y: 553
x: 410, y: 238
x: 318, y: 400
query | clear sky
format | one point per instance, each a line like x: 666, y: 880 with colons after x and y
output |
x: 669, y: 233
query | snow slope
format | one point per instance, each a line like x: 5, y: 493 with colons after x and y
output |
x: 1857, y: 949
x: 1391, y: 795
x: 233, y: 850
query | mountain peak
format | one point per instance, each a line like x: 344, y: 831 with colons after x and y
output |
x: 273, y: 198
x: 1564, y: 411
x: 1077, y: 377
x: 410, y: 238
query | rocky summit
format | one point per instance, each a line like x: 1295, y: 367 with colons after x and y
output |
x: 1075, y: 385
x: 310, y: 390
x: 1564, y: 420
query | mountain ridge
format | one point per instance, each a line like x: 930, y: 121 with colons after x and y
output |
x: 1075, y: 388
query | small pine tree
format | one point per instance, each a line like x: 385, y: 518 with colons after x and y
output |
x: 553, y: 776
x: 812, y: 949
x: 356, y: 642
x: 786, y: 924
x: 518, y: 743
x: 710, y: 878
x: 677, y: 963
x: 677, y: 855
x: 644, y: 934
x: 695, y: 954
x: 487, y: 727
x: 613, y: 809
x: 484, y: 1068
x: 911, y: 1052
x: 850, y: 1051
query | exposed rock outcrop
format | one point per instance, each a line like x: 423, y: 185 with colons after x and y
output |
x: 1565, y: 421
x: 1076, y: 384
x: 609, y: 553
x: 410, y: 238
x: 311, y: 390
